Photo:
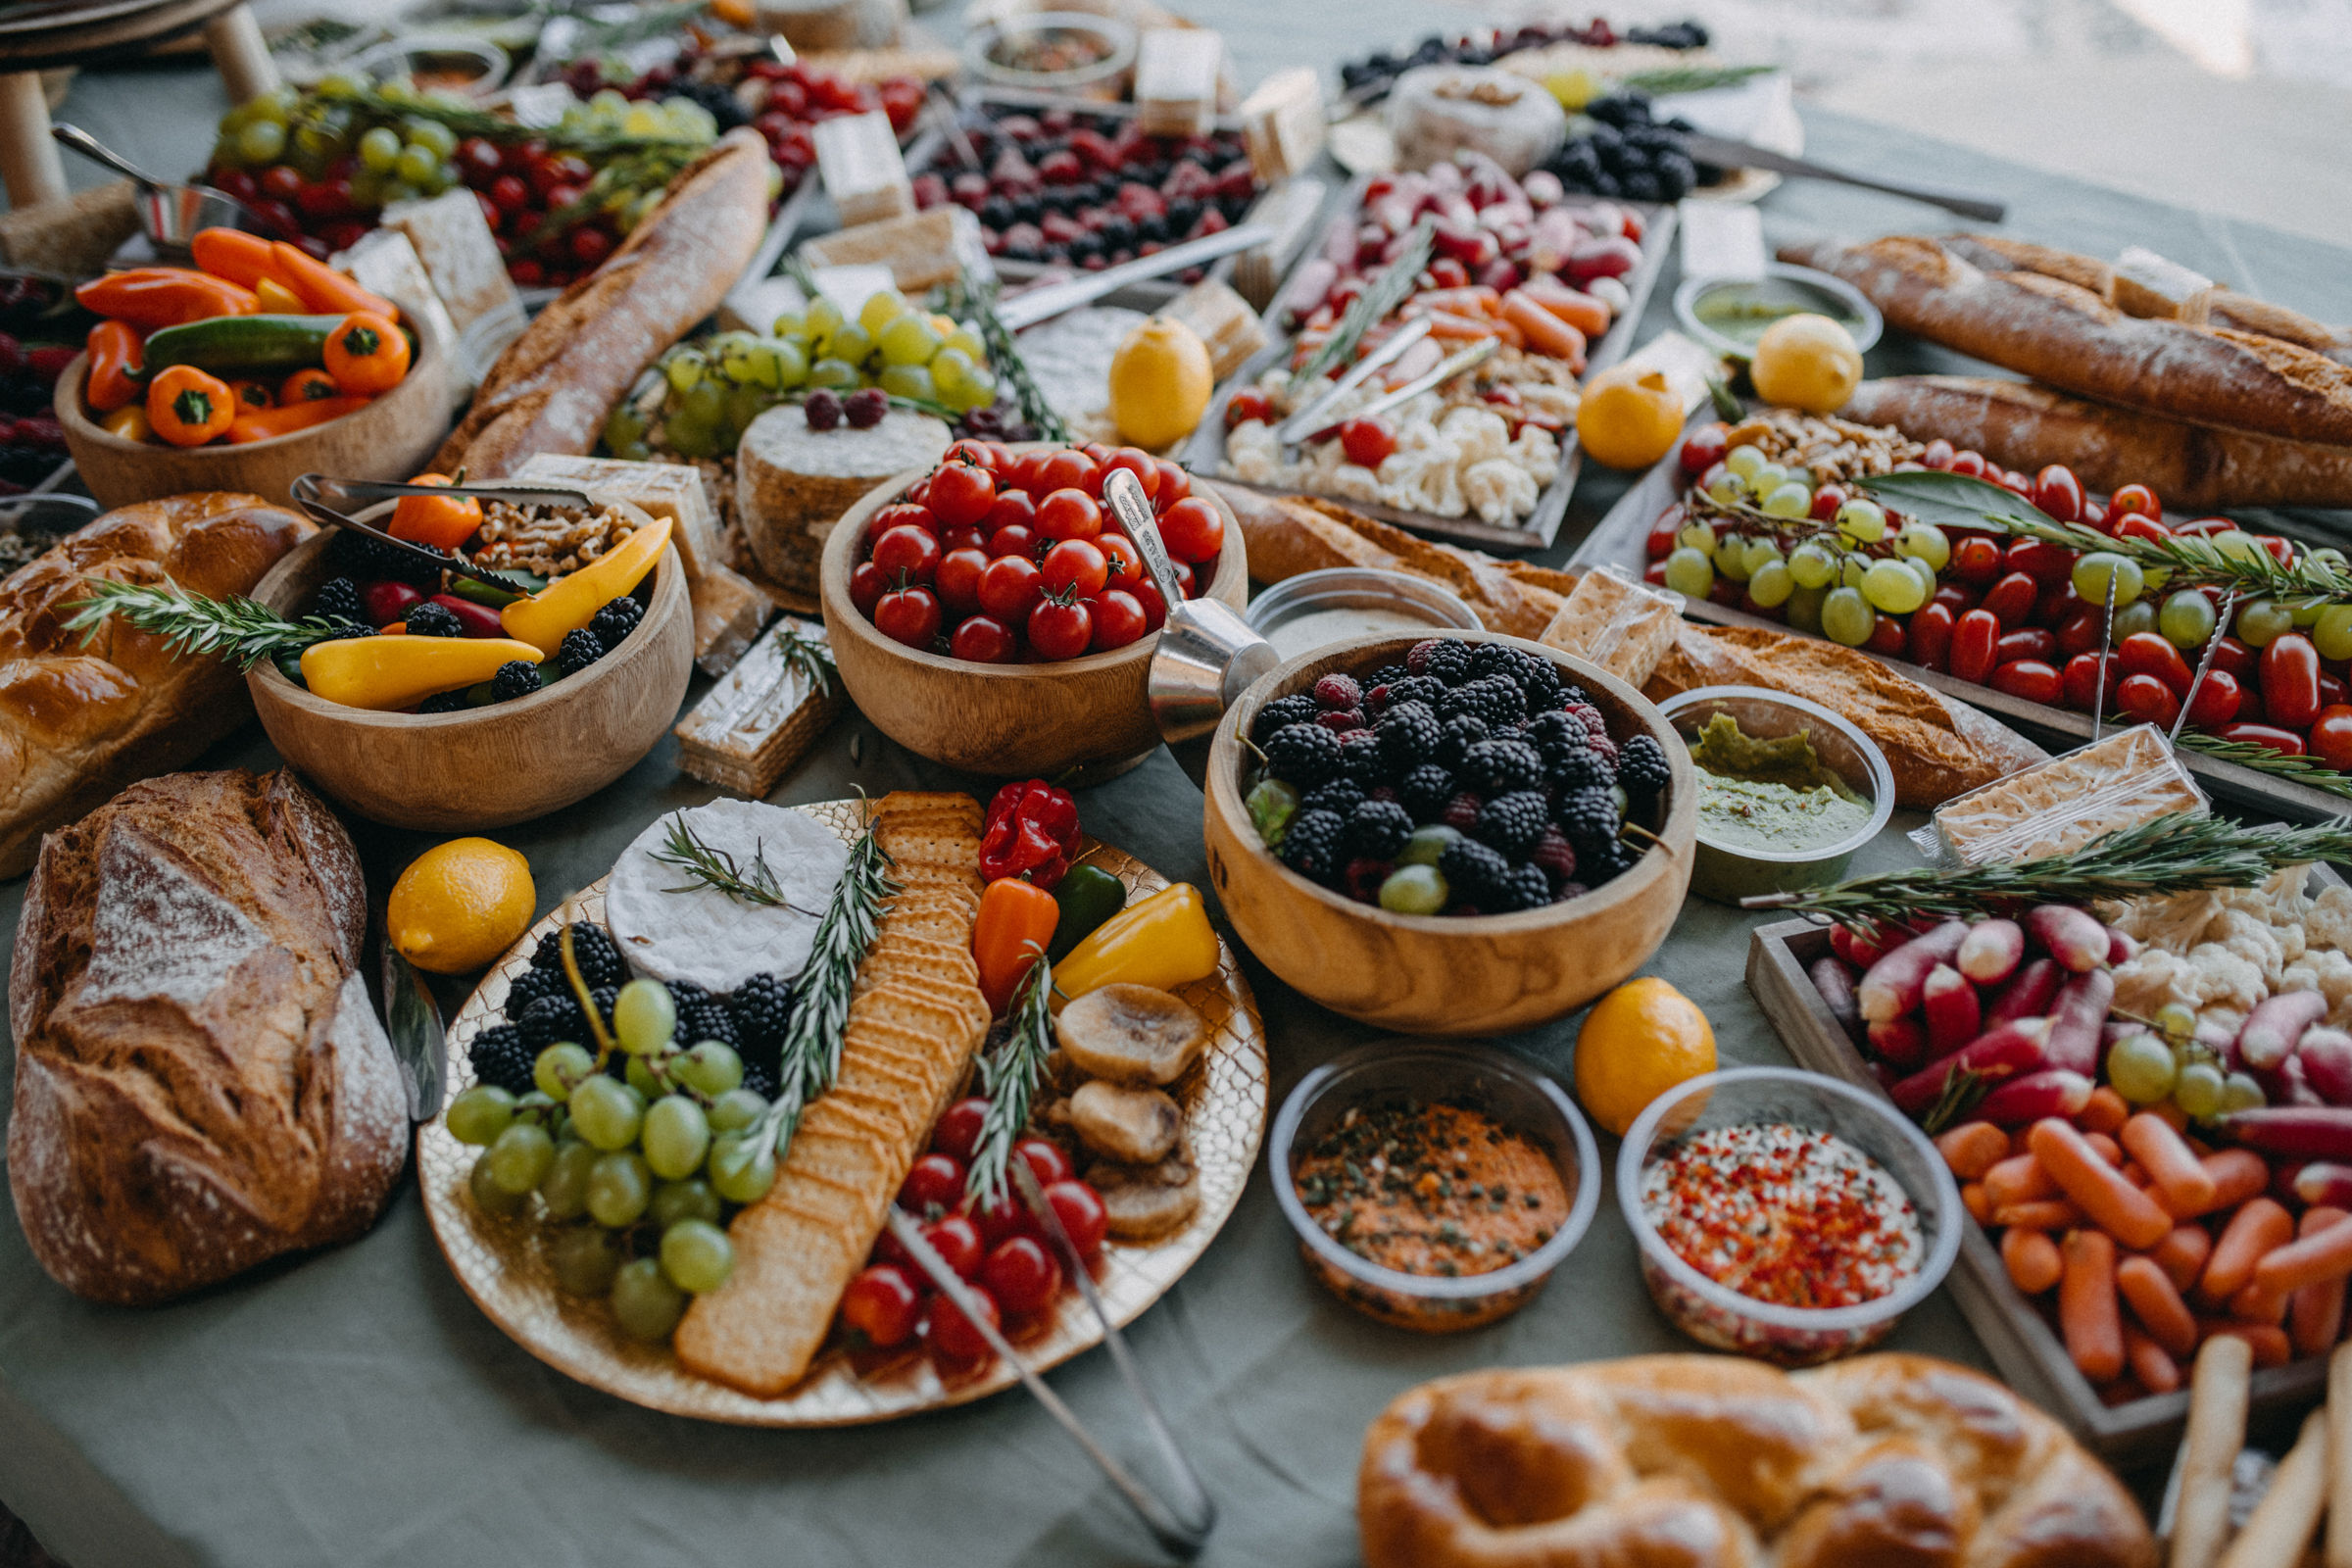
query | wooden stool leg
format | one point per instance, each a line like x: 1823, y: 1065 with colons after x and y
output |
x: 239, y: 54
x: 29, y: 160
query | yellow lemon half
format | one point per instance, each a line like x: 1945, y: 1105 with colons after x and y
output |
x: 1159, y: 383
x: 1628, y: 417
x: 1637, y: 1041
x: 459, y: 904
x: 1806, y: 361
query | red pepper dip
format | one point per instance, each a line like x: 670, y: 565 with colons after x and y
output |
x: 1784, y: 1215
x: 1431, y: 1189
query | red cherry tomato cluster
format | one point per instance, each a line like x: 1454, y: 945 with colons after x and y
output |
x: 1004, y: 558
x: 994, y: 1248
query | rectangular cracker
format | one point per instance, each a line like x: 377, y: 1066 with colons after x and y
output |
x: 758, y: 1331
x: 854, y: 1158
x: 900, y: 802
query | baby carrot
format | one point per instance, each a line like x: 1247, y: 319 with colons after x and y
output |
x: 2267, y: 1340
x: 2182, y: 1184
x: 1973, y: 1199
x: 2261, y: 1227
x: 2088, y: 1315
x: 2041, y: 1214
x: 2105, y: 1147
x: 1973, y: 1149
x: 2032, y: 1259
x: 2157, y: 1304
x: 2129, y: 1215
x: 2323, y: 1253
x: 2106, y: 1113
x: 2254, y: 1303
x: 2019, y: 1179
x: 2315, y: 1314
x: 2237, y: 1175
x: 2183, y: 1254
x: 2150, y: 1362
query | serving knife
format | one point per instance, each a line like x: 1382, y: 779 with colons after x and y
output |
x: 1729, y: 154
x: 1297, y: 426
x: 1469, y: 359
x: 1049, y: 300
x: 411, y: 1020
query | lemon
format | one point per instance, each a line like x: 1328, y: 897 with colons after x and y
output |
x: 1806, y: 361
x: 1628, y: 417
x: 1637, y: 1041
x: 1159, y: 383
x: 459, y: 904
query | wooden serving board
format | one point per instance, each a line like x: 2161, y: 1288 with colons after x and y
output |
x: 1204, y: 452
x: 2019, y: 1338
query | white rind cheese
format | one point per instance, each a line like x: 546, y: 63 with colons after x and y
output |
x: 704, y: 936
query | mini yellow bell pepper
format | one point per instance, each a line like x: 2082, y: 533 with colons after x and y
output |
x: 567, y: 603
x: 130, y: 423
x: 393, y: 673
x: 1164, y: 941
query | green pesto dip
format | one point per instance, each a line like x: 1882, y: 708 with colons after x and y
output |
x: 1741, y: 314
x: 1771, y: 793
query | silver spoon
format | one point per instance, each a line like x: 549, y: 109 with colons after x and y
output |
x: 170, y: 213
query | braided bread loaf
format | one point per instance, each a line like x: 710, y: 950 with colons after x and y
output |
x: 1701, y: 1461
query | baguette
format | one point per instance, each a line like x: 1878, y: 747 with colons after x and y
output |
x: 553, y: 387
x: 2024, y: 427
x: 2067, y: 336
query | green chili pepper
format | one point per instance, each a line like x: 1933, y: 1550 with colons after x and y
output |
x: 1087, y: 895
x: 481, y: 593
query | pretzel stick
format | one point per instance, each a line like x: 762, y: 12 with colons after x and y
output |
x: 2217, y: 1430
x: 2283, y: 1521
x: 2339, y: 1457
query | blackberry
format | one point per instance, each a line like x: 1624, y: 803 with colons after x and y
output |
x: 700, y: 1015
x: 429, y: 619
x: 1311, y: 847
x: 617, y: 620
x: 550, y: 1019
x: 592, y: 949
x: 580, y: 650
x: 356, y: 555
x: 1408, y: 736
x: 532, y: 984
x: 1605, y: 861
x: 1589, y: 818
x: 1341, y: 795
x: 1556, y: 733
x: 1364, y: 759
x: 501, y: 1058
x: 1506, y: 765
x: 1521, y: 887
x: 763, y: 1078
x: 1390, y: 674
x: 1297, y: 708
x: 1442, y: 659
x: 720, y: 101
x: 1489, y: 659
x: 1607, y: 750
x: 445, y: 703
x: 1556, y: 855
x: 1495, y: 700
x: 1337, y: 692
x: 1579, y: 769
x: 1377, y: 830
x: 339, y: 599
x: 1457, y: 735
x: 1513, y: 822
x: 1573, y: 696
x: 1304, y: 755
x: 763, y: 1009
x: 1641, y: 767
x: 514, y: 678
x: 1424, y: 792
x: 1470, y: 869
x: 1415, y: 689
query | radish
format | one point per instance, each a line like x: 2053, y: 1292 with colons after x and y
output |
x: 1903, y: 1041
x: 2075, y: 1019
x: 2028, y: 994
x: 2325, y: 1182
x: 1992, y: 951
x: 1952, y: 1011
x: 2272, y: 1029
x: 2122, y: 946
x: 2069, y: 935
x: 2325, y: 1056
x: 1892, y: 986
x: 1835, y: 980
x: 2299, y: 1132
x: 2055, y: 1092
x: 2014, y: 1047
x: 1855, y: 949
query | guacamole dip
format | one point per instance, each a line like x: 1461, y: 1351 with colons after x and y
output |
x: 1770, y: 794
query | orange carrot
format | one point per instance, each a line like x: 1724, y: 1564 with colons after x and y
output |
x: 2106, y: 1113
x: 1973, y: 1199
x: 1973, y: 1149
x: 2157, y: 1304
x: 241, y: 258
x: 2323, y: 1253
x: 2267, y: 1340
x: 2032, y: 1259
x: 2183, y: 1254
x: 2021, y: 1141
x: 1545, y: 332
x: 2019, y: 1179
x: 1471, y: 300
x: 2105, y: 1147
x: 2315, y: 1314
x: 2041, y: 1214
x: 2150, y: 1362
x: 2239, y: 1174
x: 1452, y: 326
x: 2123, y: 1210
x: 2253, y: 1304
x: 2261, y: 1227
x: 2088, y: 1315
x: 2137, y: 1175
x: 2182, y: 1184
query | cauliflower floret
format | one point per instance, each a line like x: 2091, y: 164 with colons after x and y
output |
x: 2252, y: 939
x: 1353, y: 481
x: 1500, y: 489
x: 2149, y: 980
x: 2223, y: 978
x: 2331, y: 976
x: 1537, y: 453
x: 2327, y: 923
x: 1553, y: 402
x: 1477, y: 433
x: 1251, y: 453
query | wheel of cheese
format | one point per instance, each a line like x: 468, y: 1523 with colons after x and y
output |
x: 792, y: 484
x: 1437, y: 110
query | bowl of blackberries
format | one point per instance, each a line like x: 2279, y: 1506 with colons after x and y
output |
x: 1457, y: 835
x: 484, y: 739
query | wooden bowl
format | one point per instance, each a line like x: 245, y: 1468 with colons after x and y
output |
x: 488, y: 766
x: 1443, y: 974
x: 391, y: 438
x: 998, y: 720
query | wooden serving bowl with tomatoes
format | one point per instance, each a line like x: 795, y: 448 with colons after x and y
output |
x: 1001, y: 721
x: 484, y: 768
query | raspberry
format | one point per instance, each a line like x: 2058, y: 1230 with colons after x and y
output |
x: 1556, y: 855
x: 1588, y: 715
x: 866, y: 407
x: 1340, y: 720
x: 1461, y: 813
x: 1363, y: 878
x: 1336, y: 691
x: 822, y: 410
x: 1605, y: 748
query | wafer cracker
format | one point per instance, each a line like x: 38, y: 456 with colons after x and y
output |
x: 855, y: 1211
x: 864, y: 1070
x: 889, y: 1102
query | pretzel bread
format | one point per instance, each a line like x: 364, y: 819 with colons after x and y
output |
x: 78, y: 721
x: 1701, y: 1461
x: 2068, y: 336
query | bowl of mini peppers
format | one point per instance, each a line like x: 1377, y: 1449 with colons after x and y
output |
x: 238, y: 358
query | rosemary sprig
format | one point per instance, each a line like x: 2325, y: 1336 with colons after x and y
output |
x: 242, y: 631
x: 1005, y: 357
x: 1388, y: 291
x: 1690, y: 78
x: 2245, y: 754
x: 1962, y: 1090
x: 1009, y: 1077
x: 715, y: 868
x: 2180, y: 851
x: 810, y: 1056
x: 810, y: 658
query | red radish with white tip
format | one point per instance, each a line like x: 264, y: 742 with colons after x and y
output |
x: 2325, y: 1056
x: 2325, y: 1182
x: 2122, y: 946
x: 2029, y: 993
x: 1858, y: 951
x: 1992, y: 951
x: 2272, y: 1029
x: 1892, y: 986
x: 1953, y: 1012
x: 2017, y: 1047
x: 2076, y: 1018
x: 2021, y: 1101
x: 2069, y: 935
x: 1903, y: 1041
x: 2298, y: 1132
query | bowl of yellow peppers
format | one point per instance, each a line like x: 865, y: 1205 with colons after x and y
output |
x: 442, y: 704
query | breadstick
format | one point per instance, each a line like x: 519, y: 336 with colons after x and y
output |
x: 2217, y: 1430
x: 2339, y: 1457
x: 2283, y: 1521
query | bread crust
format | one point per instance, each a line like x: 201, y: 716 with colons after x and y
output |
x: 201, y: 1082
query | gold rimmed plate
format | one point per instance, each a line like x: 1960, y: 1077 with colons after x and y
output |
x: 503, y: 1262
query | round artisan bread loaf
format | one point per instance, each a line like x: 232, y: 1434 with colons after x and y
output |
x: 1702, y: 1461
x: 201, y: 1081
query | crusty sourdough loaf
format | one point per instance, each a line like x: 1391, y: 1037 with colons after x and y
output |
x: 201, y: 1081
x: 80, y: 720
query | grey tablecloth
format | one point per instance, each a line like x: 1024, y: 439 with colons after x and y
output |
x: 353, y: 1408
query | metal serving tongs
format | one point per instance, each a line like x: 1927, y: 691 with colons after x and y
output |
x: 1049, y: 300
x: 1469, y: 359
x: 1208, y: 655
x: 1180, y: 1525
x: 308, y: 489
x: 1298, y: 426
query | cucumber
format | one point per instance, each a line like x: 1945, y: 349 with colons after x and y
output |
x: 242, y: 345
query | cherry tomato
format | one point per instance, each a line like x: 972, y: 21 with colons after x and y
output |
x: 2056, y: 603
x: 1976, y: 559
x: 909, y: 616
x: 1246, y: 405
x: 2332, y: 692
x: 1141, y: 463
x: 1957, y: 598
x: 935, y: 1179
x: 1011, y: 588
x: 867, y: 585
x: 883, y: 1305
x: 1931, y: 637
x: 957, y: 582
x: 2080, y: 682
x: 2135, y: 498
x: 1146, y: 593
x: 1937, y: 456
x: 2268, y: 735
x: 1367, y: 442
x: 2148, y: 653
x: 1022, y: 1276
x: 2094, y: 515
x: 1825, y: 502
x: 1968, y: 463
x: 898, y: 514
x: 1014, y: 539
x: 1012, y: 509
x: 2219, y: 701
x: 1075, y: 566
x: 907, y: 554
x: 961, y: 493
x: 1125, y: 561
x: 959, y: 1129
x: 2237, y: 659
x: 2206, y: 527
x: 2330, y: 736
x: 1061, y: 628
x: 2011, y: 600
x: 2147, y: 700
x: 2032, y: 642
x: 2078, y: 633
x: 1887, y: 636
x: 2132, y: 525
x: 1067, y: 469
x: 1069, y: 514
x: 1185, y: 578
x: 1175, y: 486
x: 984, y: 640
x: 1080, y: 1209
x: 958, y: 1242
x: 2059, y: 493
x: 2291, y: 680
x: 1193, y: 530
x: 2282, y: 549
x: 1972, y: 637
x: 1026, y: 468
x: 952, y: 1335
x: 1044, y: 1159
x: 2041, y: 560
x: 1703, y: 448
x: 2028, y: 678
x: 1119, y: 619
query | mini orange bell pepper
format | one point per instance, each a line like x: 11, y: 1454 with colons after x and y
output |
x: 252, y: 397
x: 367, y: 354
x: 444, y: 522
x: 264, y: 424
x: 129, y: 423
x: 245, y: 259
x: 1013, y: 930
x: 307, y: 386
x: 324, y: 290
x: 152, y: 297
x: 113, y: 348
x: 189, y: 408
